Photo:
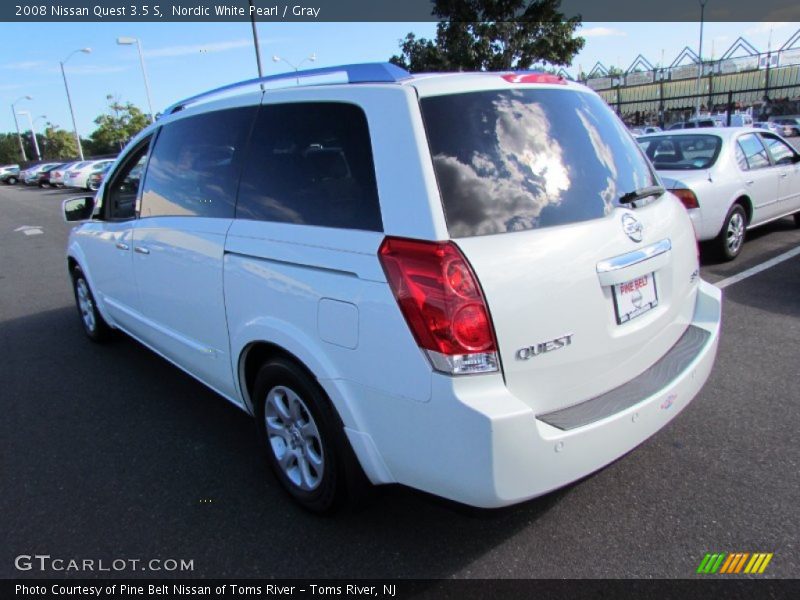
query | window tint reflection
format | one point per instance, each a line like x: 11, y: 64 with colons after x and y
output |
x: 523, y: 159
x: 311, y: 164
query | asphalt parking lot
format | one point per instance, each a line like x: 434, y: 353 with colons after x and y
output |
x: 110, y: 452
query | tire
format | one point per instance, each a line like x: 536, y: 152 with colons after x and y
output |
x: 797, y: 219
x: 11, y: 180
x: 304, y: 440
x: 728, y: 244
x: 93, y: 323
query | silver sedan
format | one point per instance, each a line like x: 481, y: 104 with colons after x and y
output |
x: 729, y: 179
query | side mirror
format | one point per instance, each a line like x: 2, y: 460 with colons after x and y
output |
x: 78, y: 209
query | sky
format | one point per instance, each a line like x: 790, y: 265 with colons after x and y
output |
x: 183, y: 59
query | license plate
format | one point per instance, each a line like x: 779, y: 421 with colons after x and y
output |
x: 635, y: 297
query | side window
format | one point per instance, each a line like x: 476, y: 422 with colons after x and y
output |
x: 741, y: 160
x: 123, y: 186
x: 195, y: 165
x: 781, y: 152
x: 311, y: 164
x: 754, y: 152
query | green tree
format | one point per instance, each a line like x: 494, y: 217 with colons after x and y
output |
x: 58, y: 143
x: 9, y: 149
x: 477, y: 35
x: 116, y: 127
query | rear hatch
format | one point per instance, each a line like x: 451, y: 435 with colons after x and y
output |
x: 585, y: 292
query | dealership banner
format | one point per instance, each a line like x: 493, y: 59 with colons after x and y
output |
x: 375, y: 10
x: 460, y: 589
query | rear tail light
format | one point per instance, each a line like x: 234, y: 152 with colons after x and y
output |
x: 442, y: 303
x: 687, y: 197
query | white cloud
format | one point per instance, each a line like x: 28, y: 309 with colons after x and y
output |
x: 26, y: 64
x: 93, y: 69
x: 766, y: 27
x: 186, y: 50
x: 602, y: 32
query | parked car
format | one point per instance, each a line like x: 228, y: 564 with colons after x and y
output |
x: 466, y: 283
x: 730, y: 180
x: 95, y: 178
x: 651, y: 129
x: 791, y: 125
x: 769, y: 126
x: 30, y: 176
x: 43, y: 179
x: 737, y: 120
x: 76, y: 176
x: 9, y: 174
x: 57, y: 175
x: 696, y: 123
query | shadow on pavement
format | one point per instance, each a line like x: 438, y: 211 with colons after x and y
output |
x: 110, y: 451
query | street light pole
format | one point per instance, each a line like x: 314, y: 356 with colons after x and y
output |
x: 311, y: 57
x: 33, y: 134
x: 124, y: 41
x: 255, y: 39
x: 16, y: 123
x: 69, y: 98
x: 700, y: 56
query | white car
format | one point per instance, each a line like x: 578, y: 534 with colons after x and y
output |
x: 77, y: 175
x: 470, y: 284
x: 729, y: 179
x: 57, y: 175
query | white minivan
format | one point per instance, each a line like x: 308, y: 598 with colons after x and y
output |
x: 470, y: 284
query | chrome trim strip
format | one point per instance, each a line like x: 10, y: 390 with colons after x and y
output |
x: 631, y: 258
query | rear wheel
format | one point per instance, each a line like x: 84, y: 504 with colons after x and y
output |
x: 303, y: 438
x: 11, y: 180
x: 94, y: 325
x: 728, y: 243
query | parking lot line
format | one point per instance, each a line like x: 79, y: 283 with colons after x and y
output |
x: 758, y: 268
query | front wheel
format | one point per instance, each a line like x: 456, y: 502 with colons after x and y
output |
x: 93, y: 323
x: 11, y: 180
x: 728, y: 243
x: 303, y: 438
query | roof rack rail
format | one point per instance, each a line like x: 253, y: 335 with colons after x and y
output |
x: 357, y: 73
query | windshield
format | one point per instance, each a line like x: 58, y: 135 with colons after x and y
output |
x: 681, y: 152
x: 512, y: 160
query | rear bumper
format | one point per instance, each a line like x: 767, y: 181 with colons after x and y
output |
x: 474, y: 442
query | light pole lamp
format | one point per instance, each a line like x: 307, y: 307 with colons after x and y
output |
x: 700, y: 55
x: 16, y: 123
x: 69, y: 99
x: 127, y: 41
x: 310, y: 58
x: 33, y: 133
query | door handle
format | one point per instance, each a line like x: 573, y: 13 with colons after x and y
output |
x: 783, y: 175
x: 749, y: 182
x: 141, y: 250
x: 123, y: 246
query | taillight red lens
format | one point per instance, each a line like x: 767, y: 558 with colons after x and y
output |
x: 687, y: 197
x: 439, y: 296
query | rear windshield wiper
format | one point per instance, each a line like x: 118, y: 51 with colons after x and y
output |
x: 645, y: 192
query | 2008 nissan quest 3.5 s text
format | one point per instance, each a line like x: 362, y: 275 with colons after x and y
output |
x: 471, y: 284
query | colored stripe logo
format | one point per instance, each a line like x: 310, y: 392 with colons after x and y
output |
x: 726, y: 563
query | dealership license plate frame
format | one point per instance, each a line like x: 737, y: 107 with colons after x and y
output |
x: 625, y: 309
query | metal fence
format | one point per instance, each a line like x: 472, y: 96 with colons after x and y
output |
x: 761, y: 84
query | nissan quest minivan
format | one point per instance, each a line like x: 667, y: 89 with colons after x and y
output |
x: 472, y: 284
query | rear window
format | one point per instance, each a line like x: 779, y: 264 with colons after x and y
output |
x: 681, y: 152
x: 513, y: 160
